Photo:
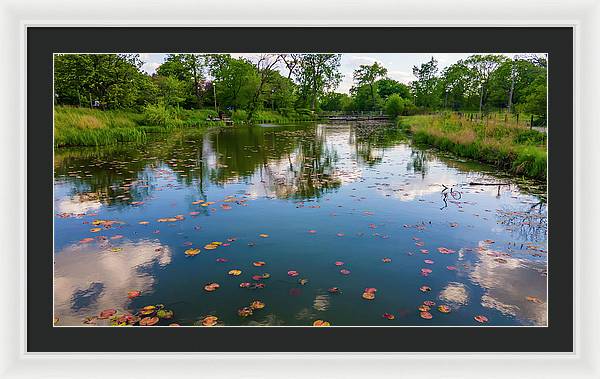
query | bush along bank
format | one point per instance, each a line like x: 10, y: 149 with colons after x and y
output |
x: 511, y: 147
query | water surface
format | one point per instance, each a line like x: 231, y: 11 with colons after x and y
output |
x: 323, y: 194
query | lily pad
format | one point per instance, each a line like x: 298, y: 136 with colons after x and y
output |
x: 321, y: 323
x: 149, y: 321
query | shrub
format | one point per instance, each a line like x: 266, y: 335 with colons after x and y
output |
x: 394, y: 106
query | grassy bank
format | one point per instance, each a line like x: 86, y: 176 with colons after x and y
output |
x: 90, y: 127
x: 510, y: 146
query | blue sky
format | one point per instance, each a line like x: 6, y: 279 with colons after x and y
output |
x: 399, y: 65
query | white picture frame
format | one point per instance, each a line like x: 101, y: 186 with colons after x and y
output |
x: 583, y: 16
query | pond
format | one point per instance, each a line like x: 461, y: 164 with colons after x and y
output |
x: 350, y: 224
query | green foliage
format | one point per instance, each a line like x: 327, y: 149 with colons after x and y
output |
x: 316, y: 75
x: 386, y: 87
x: 114, y: 80
x: 394, y: 106
x: 162, y: 115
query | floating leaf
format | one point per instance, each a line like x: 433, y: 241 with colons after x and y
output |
x: 244, y: 285
x: 174, y: 324
x: 165, y: 314
x: 425, y: 288
x: 334, y: 290
x: 424, y: 308
x: 302, y: 281
x: 263, y: 235
x: 116, y: 249
x: 143, y: 222
x: 235, y: 272
x: 444, y: 308
x: 368, y: 295
x: 481, y: 319
x: 149, y: 321
x: 210, y: 287
x: 428, y: 261
x: 534, y: 299
x: 293, y: 273
x: 339, y: 263
x: 107, y: 313
x: 210, y: 321
x: 429, y: 303
x: 210, y: 247
x: 444, y: 250
x: 426, y: 315
x: 388, y: 316
x: 258, y: 263
x: 386, y: 260
x: 222, y: 260
x: 116, y: 237
x: 133, y: 294
x: 340, y: 234
x: 321, y: 323
x: 95, y: 230
x: 256, y: 304
x: 344, y: 272
x: 87, y: 240
x: 245, y: 311
x: 312, y: 231
x: 451, y: 268
x: 192, y: 252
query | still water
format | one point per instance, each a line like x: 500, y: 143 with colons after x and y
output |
x: 322, y: 222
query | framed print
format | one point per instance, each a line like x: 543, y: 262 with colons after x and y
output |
x: 310, y: 191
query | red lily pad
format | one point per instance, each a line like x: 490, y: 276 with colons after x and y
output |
x: 107, y: 313
x: 388, y: 316
x: 293, y: 273
x: 149, y: 321
x: 481, y: 319
x: 344, y: 272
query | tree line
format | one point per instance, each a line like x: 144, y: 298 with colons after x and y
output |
x: 299, y: 83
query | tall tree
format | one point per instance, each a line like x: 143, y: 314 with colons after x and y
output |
x: 265, y: 65
x: 424, y: 87
x: 367, y: 75
x: 318, y: 74
x: 188, y: 68
x: 482, y: 67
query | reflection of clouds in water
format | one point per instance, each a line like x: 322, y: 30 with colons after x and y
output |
x: 508, y: 284
x: 455, y: 293
x: 88, y: 280
x: 77, y: 204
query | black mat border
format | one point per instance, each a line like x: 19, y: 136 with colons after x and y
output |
x: 42, y: 42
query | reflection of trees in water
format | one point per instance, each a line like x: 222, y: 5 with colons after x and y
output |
x: 418, y: 162
x: 371, y: 141
x: 530, y: 224
x: 288, y: 161
x: 111, y: 176
x: 294, y: 162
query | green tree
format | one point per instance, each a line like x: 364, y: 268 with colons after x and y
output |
x: 316, y: 75
x: 386, y: 87
x: 425, y: 86
x: 482, y: 68
x: 235, y: 80
x: 189, y: 69
x: 367, y: 75
x: 115, y: 80
x: 394, y: 105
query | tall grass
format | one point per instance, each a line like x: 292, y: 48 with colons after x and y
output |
x: 507, y: 145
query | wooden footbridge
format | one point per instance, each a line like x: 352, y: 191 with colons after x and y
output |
x: 355, y: 117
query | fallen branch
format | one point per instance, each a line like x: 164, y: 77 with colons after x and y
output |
x: 488, y: 184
